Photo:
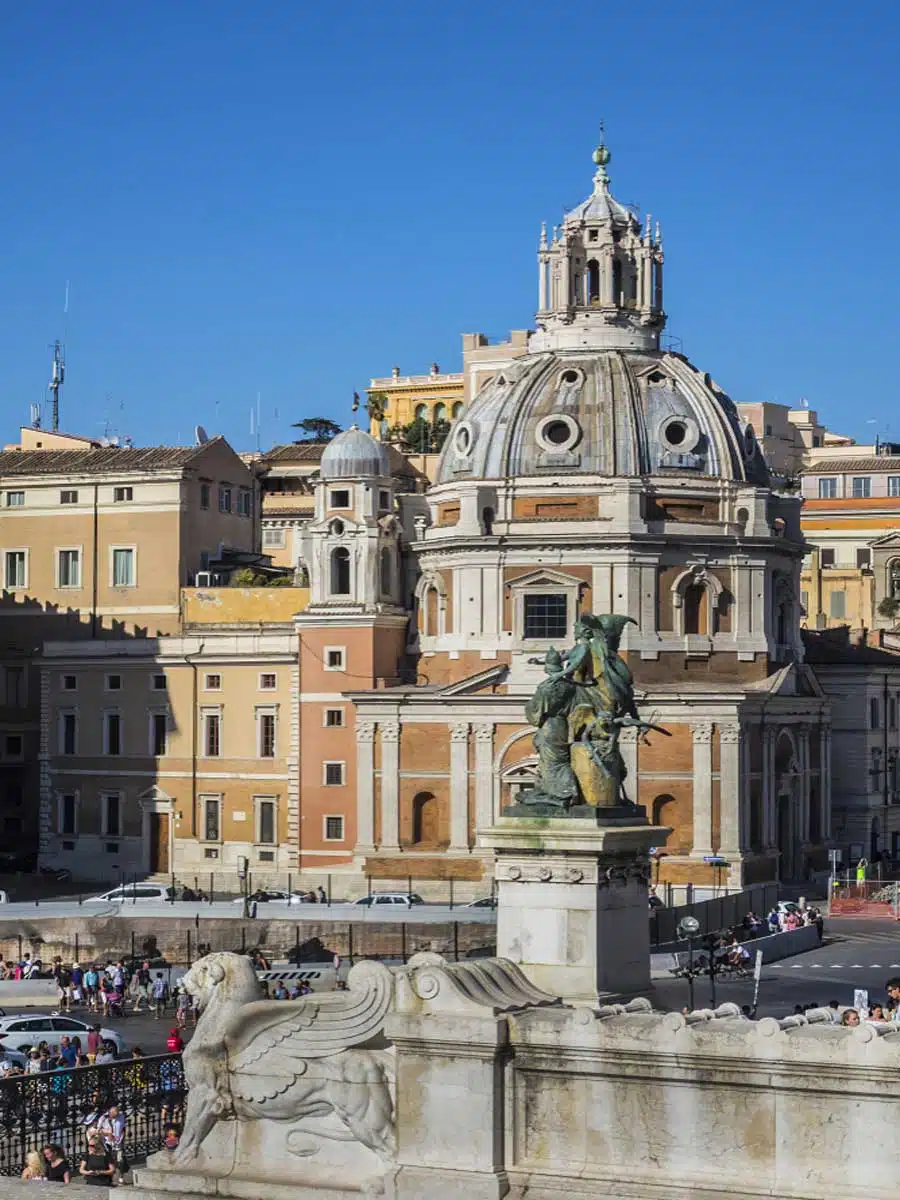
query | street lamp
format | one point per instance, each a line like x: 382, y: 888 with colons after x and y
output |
x: 688, y: 928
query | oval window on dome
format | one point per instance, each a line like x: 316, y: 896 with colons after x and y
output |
x: 463, y: 436
x: 679, y: 434
x: 558, y: 432
x: 570, y: 375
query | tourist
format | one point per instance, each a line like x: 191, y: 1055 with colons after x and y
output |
x: 33, y: 1169
x: 97, y: 1166
x: 174, y: 1042
x: 77, y: 983
x: 111, y: 1128
x: 160, y: 993
x: 876, y: 1013
x: 773, y: 920
x: 281, y: 992
x: 171, y: 1140
x: 94, y: 1039
x: 142, y: 986
x: 892, y: 987
x: 323, y: 895
x: 850, y: 1017
x: 91, y: 984
x: 56, y: 1168
x: 295, y: 992
x: 33, y: 1066
x: 68, y: 1055
x: 106, y: 1054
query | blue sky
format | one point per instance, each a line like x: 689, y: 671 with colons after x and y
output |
x: 289, y: 198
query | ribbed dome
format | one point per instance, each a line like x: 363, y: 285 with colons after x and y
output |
x: 352, y: 454
x: 601, y: 412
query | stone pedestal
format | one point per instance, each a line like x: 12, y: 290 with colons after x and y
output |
x: 572, y: 902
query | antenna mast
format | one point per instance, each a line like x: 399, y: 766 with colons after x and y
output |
x: 57, y: 377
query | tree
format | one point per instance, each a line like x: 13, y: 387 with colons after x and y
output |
x: 377, y: 405
x: 889, y: 608
x: 423, y: 437
x: 317, y: 429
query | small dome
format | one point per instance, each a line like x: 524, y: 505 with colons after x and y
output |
x: 352, y: 454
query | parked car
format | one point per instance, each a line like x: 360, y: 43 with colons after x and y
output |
x: 484, y: 902
x: 4, y: 897
x: 407, y: 899
x: 21, y: 1032
x: 132, y: 893
x: 14, y: 1057
x: 273, y: 896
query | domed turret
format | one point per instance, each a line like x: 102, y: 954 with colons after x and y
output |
x: 352, y: 455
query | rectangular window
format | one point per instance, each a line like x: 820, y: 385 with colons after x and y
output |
x: 212, y: 734
x: 68, y: 815
x: 863, y: 557
x: 123, y: 567
x: 68, y: 496
x: 826, y: 557
x: 265, y: 833
x: 837, y: 605
x: 204, y: 495
x: 861, y: 487
x: 159, y: 732
x: 339, y: 498
x: 334, y: 774
x: 212, y: 819
x: 121, y: 495
x: 13, y: 746
x: 546, y: 617
x: 70, y: 683
x: 804, y: 604
x: 15, y: 499
x: 69, y: 568
x: 827, y: 489
x: 212, y: 683
x: 384, y: 499
x: 334, y: 718
x: 68, y: 733
x: 266, y: 734
x: 273, y: 538
x: 15, y: 687
x: 334, y: 658
x: 112, y: 733
x: 112, y: 814
x: 16, y: 569
x: 245, y: 504
x: 334, y: 829
x: 874, y: 713
x: 894, y: 485
x: 268, y: 682
x: 224, y: 499
x: 159, y: 683
x: 113, y: 683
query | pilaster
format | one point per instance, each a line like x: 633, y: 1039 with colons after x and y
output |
x: 459, y: 786
x: 484, y: 784
x: 731, y: 797
x: 390, y: 785
x: 365, y: 787
x: 701, y: 733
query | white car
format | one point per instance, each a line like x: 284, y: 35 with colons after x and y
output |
x: 22, y: 1031
x: 131, y: 893
x: 407, y: 899
x: 274, y: 896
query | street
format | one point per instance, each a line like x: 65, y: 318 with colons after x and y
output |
x: 854, y: 954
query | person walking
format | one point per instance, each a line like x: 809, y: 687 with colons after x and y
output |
x: 142, y: 986
x: 160, y: 994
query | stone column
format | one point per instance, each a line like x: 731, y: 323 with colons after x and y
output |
x: 390, y: 785
x: 746, y: 792
x: 459, y: 786
x: 484, y: 781
x: 825, y: 779
x: 768, y: 787
x: 365, y: 787
x: 542, y: 284
x: 803, y: 753
x: 628, y: 746
x: 702, y: 737
x: 731, y: 798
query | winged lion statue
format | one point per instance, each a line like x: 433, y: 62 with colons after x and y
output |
x: 254, y: 1059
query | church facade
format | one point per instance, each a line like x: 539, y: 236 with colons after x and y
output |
x: 597, y: 473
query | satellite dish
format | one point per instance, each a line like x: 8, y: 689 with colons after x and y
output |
x: 200, y: 435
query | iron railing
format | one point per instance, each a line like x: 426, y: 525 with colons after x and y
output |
x: 58, y: 1107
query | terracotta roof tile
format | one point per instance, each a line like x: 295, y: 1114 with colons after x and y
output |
x: 104, y: 460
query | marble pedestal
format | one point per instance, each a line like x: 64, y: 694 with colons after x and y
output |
x: 572, y: 902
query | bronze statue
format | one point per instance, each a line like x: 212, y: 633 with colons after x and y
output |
x: 580, y: 710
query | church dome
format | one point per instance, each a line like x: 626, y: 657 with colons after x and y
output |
x: 352, y: 454
x: 608, y: 412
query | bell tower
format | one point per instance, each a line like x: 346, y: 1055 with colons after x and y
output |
x: 600, y: 276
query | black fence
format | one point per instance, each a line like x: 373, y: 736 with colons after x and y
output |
x: 58, y: 1107
x: 713, y: 915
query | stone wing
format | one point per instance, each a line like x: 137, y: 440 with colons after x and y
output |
x: 270, y: 1041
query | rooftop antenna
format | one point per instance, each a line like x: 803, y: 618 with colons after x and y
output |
x: 35, y: 415
x: 57, y: 377
x: 258, y: 420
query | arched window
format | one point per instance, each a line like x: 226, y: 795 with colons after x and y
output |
x: 421, y: 412
x: 617, y: 281
x: 458, y: 410
x: 425, y: 822
x: 387, y: 582
x: 440, y: 412
x: 593, y: 281
x: 340, y: 571
x: 696, y: 609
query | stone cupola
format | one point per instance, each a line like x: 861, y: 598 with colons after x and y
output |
x: 600, y: 276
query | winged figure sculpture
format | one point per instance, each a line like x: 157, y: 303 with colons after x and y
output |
x: 254, y: 1059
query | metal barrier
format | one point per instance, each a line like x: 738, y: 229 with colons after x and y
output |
x: 713, y: 915
x: 869, y: 899
x: 58, y: 1107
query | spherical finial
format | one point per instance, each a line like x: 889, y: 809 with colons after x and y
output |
x: 601, y: 155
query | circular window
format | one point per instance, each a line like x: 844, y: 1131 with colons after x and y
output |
x: 558, y: 432
x: 463, y: 438
x: 679, y: 434
x: 570, y: 376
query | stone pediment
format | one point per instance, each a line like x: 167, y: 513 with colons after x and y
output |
x: 888, y: 541
x: 477, y: 683
x: 545, y: 578
x: 795, y: 679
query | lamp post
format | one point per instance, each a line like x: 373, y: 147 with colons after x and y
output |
x: 688, y: 928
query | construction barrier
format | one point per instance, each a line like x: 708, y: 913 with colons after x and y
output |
x: 870, y: 900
